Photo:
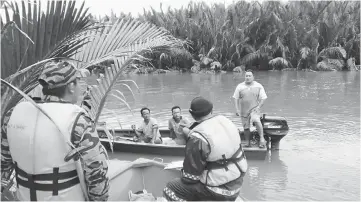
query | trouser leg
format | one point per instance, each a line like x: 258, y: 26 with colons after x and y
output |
x: 177, y: 190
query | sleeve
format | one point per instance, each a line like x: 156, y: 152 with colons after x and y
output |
x: 186, y: 121
x: 6, y: 159
x: 236, y: 92
x: 196, y: 153
x: 262, y: 93
x: 94, y: 157
x: 170, y: 125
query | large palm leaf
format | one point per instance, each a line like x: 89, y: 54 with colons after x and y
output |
x: 125, y: 42
x: 55, y: 33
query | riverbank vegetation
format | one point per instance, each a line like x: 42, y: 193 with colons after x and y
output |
x: 297, y: 35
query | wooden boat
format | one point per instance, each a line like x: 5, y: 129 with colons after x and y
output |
x: 275, y: 128
x: 129, y: 177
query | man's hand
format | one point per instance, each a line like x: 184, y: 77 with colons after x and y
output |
x: 238, y: 113
x: 257, y: 109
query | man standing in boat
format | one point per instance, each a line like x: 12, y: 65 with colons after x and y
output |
x: 32, y: 145
x: 148, y: 131
x: 249, y: 97
x: 214, y: 164
x: 176, y: 125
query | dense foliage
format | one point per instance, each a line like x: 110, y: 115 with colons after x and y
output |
x: 321, y: 35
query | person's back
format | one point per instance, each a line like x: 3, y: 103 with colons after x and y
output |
x: 38, y: 147
x: 214, y: 163
x: 224, y: 140
x: 46, y: 150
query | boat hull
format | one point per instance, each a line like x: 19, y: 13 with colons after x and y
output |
x: 136, y: 176
x: 132, y: 151
x: 131, y: 176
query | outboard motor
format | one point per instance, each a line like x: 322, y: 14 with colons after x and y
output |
x: 274, y: 129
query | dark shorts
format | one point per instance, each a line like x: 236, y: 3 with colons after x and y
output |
x: 177, y: 190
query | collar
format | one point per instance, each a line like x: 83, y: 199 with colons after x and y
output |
x: 50, y: 98
x: 179, y: 119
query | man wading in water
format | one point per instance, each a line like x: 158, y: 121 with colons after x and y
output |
x: 43, y: 161
x: 251, y: 95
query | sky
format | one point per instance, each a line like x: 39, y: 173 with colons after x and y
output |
x: 135, y: 7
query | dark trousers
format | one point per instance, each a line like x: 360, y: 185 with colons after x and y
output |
x: 177, y: 190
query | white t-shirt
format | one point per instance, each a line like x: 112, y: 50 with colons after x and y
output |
x: 147, y: 129
x: 249, y: 95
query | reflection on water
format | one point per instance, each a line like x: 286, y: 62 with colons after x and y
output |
x: 261, y: 175
x: 319, y: 159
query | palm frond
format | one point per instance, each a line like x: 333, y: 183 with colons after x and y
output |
x: 305, y: 51
x: 126, y: 43
x: 279, y: 62
x: 57, y: 33
x: 46, y: 31
x: 333, y: 53
x: 251, y: 57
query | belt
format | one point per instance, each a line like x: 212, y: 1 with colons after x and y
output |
x: 224, y: 192
x: 55, y: 176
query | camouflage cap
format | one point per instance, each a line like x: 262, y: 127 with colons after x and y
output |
x: 57, y: 74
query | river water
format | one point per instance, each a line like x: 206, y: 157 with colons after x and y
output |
x: 319, y: 159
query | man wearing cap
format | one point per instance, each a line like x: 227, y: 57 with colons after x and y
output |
x: 214, y: 163
x: 43, y: 161
x: 249, y: 97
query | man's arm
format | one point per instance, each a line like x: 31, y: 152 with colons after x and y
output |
x: 236, y: 104
x: 236, y: 100
x: 137, y: 133
x: 197, y: 151
x: 261, y: 102
x: 93, y: 158
x: 6, y: 159
x: 154, y: 129
x: 171, y: 130
x: 262, y: 96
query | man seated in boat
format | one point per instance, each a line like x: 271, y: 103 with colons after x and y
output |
x: 176, y: 125
x: 214, y: 163
x: 148, y: 131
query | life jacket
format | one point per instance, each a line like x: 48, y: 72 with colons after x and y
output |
x: 38, y: 150
x: 226, y: 161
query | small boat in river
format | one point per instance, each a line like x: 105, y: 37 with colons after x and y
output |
x: 275, y: 128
